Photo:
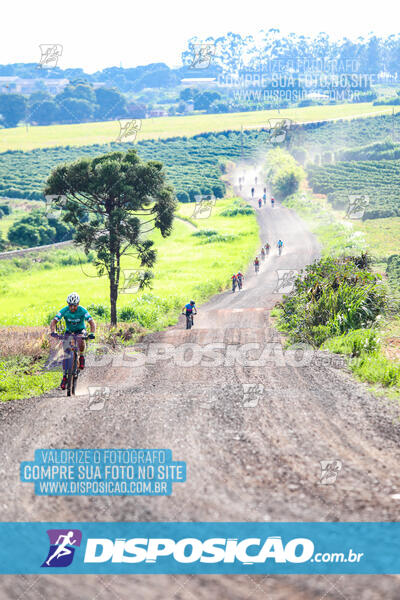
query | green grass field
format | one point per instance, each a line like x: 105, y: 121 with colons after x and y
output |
x: 382, y: 235
x: 186, y: 266
x: 22, y: 138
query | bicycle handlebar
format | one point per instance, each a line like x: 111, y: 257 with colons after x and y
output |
x: 63, y: 336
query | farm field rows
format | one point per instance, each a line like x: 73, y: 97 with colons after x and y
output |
x: 191, y: 163
x: 22, y: 138
x: 378, y: 180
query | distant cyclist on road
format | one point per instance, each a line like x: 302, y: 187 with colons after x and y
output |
x: 74, y: 317
x: 280, y: 246
x: 267, y: 248
x: 265, y: 198
x: 234, y: 282
x: 259, y: 203
x: 263, y: 253
x: 265, y: 191
x: 252, y: 192
x: 257, y: 264
x: 240, y: 278
x: 189, y: 310
x: 255, y: 180
x: 272, y: 202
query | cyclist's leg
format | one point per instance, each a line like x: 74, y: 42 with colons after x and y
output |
x: 81, y: 348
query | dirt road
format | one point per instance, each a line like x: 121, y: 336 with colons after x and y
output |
x: 252, y: 453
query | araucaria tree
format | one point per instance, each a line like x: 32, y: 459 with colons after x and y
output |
x: 113, y: 201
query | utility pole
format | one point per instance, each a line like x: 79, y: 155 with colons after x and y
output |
x: 241, y: 142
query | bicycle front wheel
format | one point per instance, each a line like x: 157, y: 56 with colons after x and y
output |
x: 72, y: 375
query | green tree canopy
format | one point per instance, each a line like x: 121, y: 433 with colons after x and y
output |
x: 111, y: 104
x: 38, y: 229
x: 125, y: 198
x: 12, y: 108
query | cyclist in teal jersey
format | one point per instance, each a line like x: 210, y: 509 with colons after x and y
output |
x: 74, y: 317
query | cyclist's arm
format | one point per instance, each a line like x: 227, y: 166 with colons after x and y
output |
x: 91, y: 322
x: 57, y: 318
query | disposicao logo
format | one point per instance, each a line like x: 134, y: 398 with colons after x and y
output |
x: 62, y: 547
x: 190, y: 550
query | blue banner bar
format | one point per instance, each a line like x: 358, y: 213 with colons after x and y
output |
x: 209, y: 548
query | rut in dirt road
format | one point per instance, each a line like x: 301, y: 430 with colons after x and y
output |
x: 252, y: 437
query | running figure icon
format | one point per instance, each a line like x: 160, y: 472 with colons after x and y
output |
x: 62, y: 549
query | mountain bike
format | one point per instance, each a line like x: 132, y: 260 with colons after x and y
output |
x: 240, y: 283
x: 71, y: 354
x: 189, y: 320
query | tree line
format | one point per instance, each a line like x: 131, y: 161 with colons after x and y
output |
x: 78, y: 102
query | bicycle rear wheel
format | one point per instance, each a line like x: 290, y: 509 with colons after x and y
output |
x: 74, y: 383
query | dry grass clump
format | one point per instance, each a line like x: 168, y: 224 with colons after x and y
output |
x: 27, y: 341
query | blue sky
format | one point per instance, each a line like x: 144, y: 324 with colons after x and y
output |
x: 95, y: 36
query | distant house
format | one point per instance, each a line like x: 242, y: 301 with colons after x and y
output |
x: 55, y: 86
x: 157, y: 112
x: 136, y: 111
x: 18, y: 85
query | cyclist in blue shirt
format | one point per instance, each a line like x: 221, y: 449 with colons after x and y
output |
x: 190, y: 309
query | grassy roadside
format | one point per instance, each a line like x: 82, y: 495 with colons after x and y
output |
x: 373, y: 349
x: 20, y: 138
x: 189, y: 265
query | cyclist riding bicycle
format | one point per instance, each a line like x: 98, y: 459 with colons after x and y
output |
x: 240, y: 278
x: 267, y: 248
x: 252, y: 192
x: 280, y: 246
x: 256, y: 264
x: 234, y: 281
x: 259, y: 203
x: 272, y: 202
x: 262, y: 253
x: 265, y: 191
x: 74, y: 317
x: 265, y: 198
x: 190, y: 309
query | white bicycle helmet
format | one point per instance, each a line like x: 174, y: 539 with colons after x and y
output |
x: 73, y: 298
